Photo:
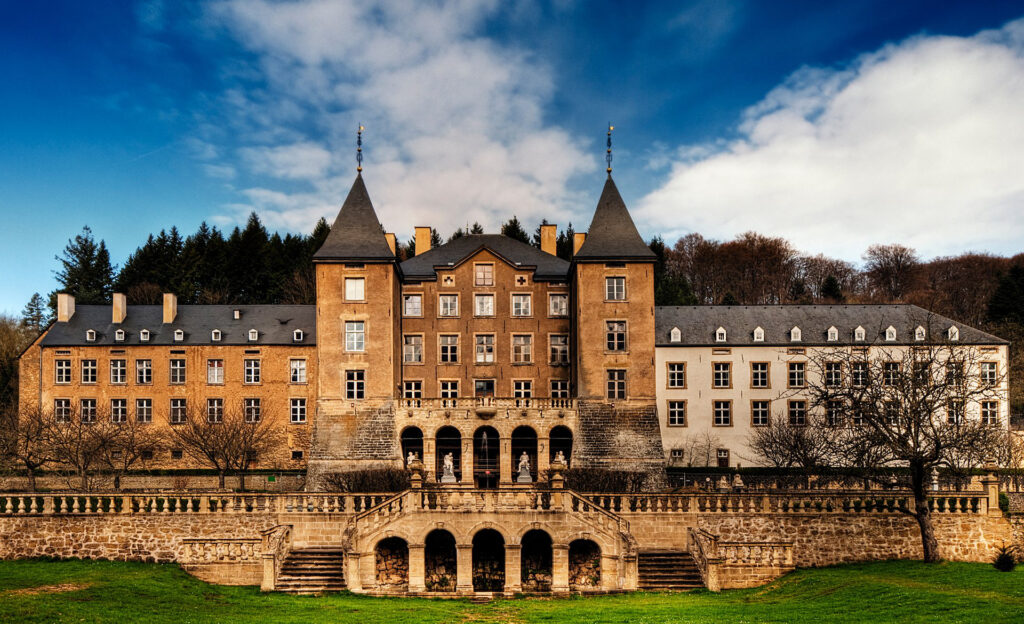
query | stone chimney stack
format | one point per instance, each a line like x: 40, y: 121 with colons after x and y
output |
x: 422, y: 240
x: 392, y: 244
x: 170, y: 307
x: 549, y: 239
x: 120, y: 309
x: 577, y: 242
x: 65, y: 307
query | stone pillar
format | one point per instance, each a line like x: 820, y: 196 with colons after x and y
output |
x: 560, y: 568
x: 513, y: 568
x: 417, y: 568
x: 628, y: 572
x: 467, y: 462
x: 609, y: 572
x: 991, y: 484
x: 464, y: 568
x: 429, y: 461
x: 368, y: 570
x: 505, y: 476
x: 352, y: 578
x: 269, y: 581
x: 543, y: 457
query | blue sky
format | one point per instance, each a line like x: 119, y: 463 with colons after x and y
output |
x: 833, y: 124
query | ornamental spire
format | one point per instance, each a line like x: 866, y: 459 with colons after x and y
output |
x: 359, y: 149
x: 608, y: 154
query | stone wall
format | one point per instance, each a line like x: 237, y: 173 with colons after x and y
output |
x: 620, y: 437
x: 392, y: 561
x: 584, y: 565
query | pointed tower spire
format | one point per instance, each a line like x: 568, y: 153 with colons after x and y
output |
x: 612, y: 234
x: 356, y: 234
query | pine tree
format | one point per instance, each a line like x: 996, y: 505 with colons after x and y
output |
x: 476, y: 229
x: 729, y: 299
x: 35, y: 316
x: 514, y: 229
x: 564, y: 243
x: 535, y: 241
x: 85, y: 270
x: 831, y: 291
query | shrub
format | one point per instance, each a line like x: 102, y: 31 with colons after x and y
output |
x: 603, y: 480
x: 1005, y: 560
x: 1004, y: 502
x: 367, y: 480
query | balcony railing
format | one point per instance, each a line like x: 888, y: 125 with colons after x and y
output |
x: 471, y: 403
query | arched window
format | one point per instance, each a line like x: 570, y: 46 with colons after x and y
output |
x: 954, y: 333
x: 859, y: 334
x: 795, y: 334
x: 179, y: 335
x: 919, y: 333
x: 720, y: 334
x: 676, y: 335
x: 90, y: 335
x: 119, y: 335
x: 297, y: 335
x: 253, y: 335
x: 215, y: 335
x: 833, y: 334
x: 890, y: 333
x: 144, y: 335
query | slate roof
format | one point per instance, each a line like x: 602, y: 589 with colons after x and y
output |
x: 275, y: 324
x: 698, y: 324
x: 356, y: 233
x: 547, y: 267
x: 612, y: 234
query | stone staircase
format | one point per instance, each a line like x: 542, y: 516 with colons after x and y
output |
x: 312, y: 570
x: 667, y: 571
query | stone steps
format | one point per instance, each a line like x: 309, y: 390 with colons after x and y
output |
x: 312, y: 570
x: 667, y: 571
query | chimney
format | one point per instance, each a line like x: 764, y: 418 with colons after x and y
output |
x: 549, y: 239
x: 120, y: 308
x: 422, y: 240
x: 577, y: 242
x: 65, y: 307
x: 170, y: 307
x: 390, y: 236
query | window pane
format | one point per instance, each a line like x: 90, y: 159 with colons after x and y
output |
x: 558, y: 305
x: 484, y: 305
x: 355, y: 288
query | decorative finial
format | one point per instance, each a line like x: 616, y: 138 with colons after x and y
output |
x: 359, y: 149
x: 608, y: 156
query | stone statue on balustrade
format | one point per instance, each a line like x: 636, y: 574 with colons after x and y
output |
x: 448, y: 470
x: 524, y: 469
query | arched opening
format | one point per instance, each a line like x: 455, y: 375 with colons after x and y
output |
x: 584, y: 564
x: 488, y: 561
x: 412, y: 442
x: 440, y: 572
x: 536, y: 561
x: 392, y: 559
x: 524, y: 440
x: 486, y: 455
x: 560, y: 439
x: 449, y: 440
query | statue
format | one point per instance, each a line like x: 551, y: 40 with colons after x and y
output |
x: 411, y: 458
x: 524, y: 469
x: 559, y: 457
x: 448, y: 470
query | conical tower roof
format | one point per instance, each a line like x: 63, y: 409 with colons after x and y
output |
x: 612, y: 234
x: 356, y: 233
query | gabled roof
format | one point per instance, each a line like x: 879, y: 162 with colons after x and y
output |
x: 698, y: 325
x: 545, y: 266
x: 612, y: 234
x: 356, y: 233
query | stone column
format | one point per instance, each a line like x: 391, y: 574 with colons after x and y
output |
x: 467, y: 462
x: 464, y: 568
x: 513, y: 568
x: 505, y: 476
x: 609, y: 572
x: 991, y: 484
x: 429, y: 460
x: 417, y: 568
x: 560, y: 568
x: 368, y: 570
x: 352, y: 574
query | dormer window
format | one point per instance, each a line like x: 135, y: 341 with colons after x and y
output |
x: 215, y: 335
x: 144, y: 335
x: 179, y: 335
x: 919, y: 333
x: 253, y: 335
x: 954, y: 333
x: 90, y: 335
x: 297, y: 335
x: 758, y: 334
x: 795, y: 334
x: 833, y: 334
x: 675, y: 335
x: 890, y: 334
x: 859, y: 334
x: 720, y: 334
x: 119, y: 335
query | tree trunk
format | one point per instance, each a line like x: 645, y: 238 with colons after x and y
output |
x: 241, y: 480
x: 220, y: 479
x: 31, y: 480
x: 923, y: 515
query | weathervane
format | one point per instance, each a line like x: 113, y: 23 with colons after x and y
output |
x: 359, y: 149
x: 608, y: 156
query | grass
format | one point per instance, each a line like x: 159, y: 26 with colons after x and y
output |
x: 893, y: 591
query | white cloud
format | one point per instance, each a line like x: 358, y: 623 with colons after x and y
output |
x: 918, y: 142
x: 298, y: 161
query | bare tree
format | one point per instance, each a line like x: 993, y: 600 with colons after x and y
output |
x: 893, y: 270
x: 788, y: 445
x: 78, y: 443
x: 29, y: 445
x: 130, y: 443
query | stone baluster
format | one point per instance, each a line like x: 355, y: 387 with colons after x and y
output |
x: 48, y: 505
x: 74, y: 505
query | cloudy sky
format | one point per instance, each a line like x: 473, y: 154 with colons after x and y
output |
x: 834, y: 124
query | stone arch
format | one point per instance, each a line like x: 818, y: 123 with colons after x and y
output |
x: 488, y: 560
x: 536, y: 558
x: 440, y: 566
x: 523, y: 440
x: 560, y: 439
x: 486, y: 456
x: 391, y: 557
x: 584, y: 564
x: 412, y: 442
x: 448, y: 439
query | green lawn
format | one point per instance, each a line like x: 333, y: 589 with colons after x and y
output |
x: 103, y: 591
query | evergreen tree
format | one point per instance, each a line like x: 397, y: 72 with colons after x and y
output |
x: 435, y: 238
x: 319, y: 235
x: 729, y: 299
x: 831, y: 291
x: 459, y: 233
x: 535, y: 241
x: 514, y: 229
x: 1007, y: 302
x: 476, y: 229
x: 35, y: 316
x: 669, y: 289
x: 564, y: 243
x: 85, y: 270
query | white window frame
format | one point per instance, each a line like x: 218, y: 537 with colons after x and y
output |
x: 215, y: 335
x: 90, y: 374
x: 758, y: 334
x: 252, y: 371
x: 355, y: 336
x: 62, y: 410
x: 252, y: 409
x: 522, y: 348
x: 215, y: 411
x: 522, y: 304
x: 478, y: 299
x: 297, y: 411
x: 485, y: 348
x: 179, y: 411
x: 795, y: 335
x: 177, y: 374
x: 355, y: 289
x: 254, y: 335
x: 179, y: 335
x: 890, y: 334
x: 558, y: 305
x: 144, y: 410
x: 721, y: 335
x: 298, y: 335
x: 143, y: 372
x: 144, y: 335
x: 412, y: 349
x: 448, y: 305
x: 90, y: 335
x: 119, y: 410
x: 675, y: 335
x: 833, y: 334
x: 119, y: 335
x: 676, y: 413
x: 412, y: 305
x: 297, y: 370
x: 118, y: 371
x: 62, y: 372
x: 355, y: 384
x: 215, y: 372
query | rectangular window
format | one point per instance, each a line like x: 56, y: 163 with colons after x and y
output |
x: 484, y: 305
x: 412, y: 389
x: 798, y: 412
x: 298, y: 411
x: 355, y: 384
x: 412, y: 349
x: 859, y: 374
x: 62, y: 371
x: 955, y: 412
x: 252, y: 371
x: 483, y: 387
x: 215, y: 410
x: 615, y: 335
x: 890, y: 373
x: 834, y: 413
x: 676, y: 374
x: 355, y: 336
x: 62, y: 410
x: 297, y: 371
x: 449, y: 348
x: 521, y: 305
x: 448, y: 305
x: 797, y: 374
x: 723, y: 458
x: 483, y: 275
x: 677, y: 413
x: 118, y: 371
x: 833, y: 374
x: 559, y: 344
x: 990, y: 413
x: 252, y: 409
x: 616, y: 383
x: 449, y: 389
x: 522, y: 389
x: 178, y: 411
x: 522, y: 349
x: 559, y: 389
x: 485, y: 349
x: 412, y: 305
x: 143, y: 372
x: 721, y: 374
x: 722, y: 411
x: 955, y: 373
x: 118, y: 410
x: 615, y: 288
x: 87, y: 410
x: 88, y: 371
x: 177, y: 371
x: 355, y: 289
x: 144, y: 410
x: 759, y: 375
x: 759, y: 414
x: 558, y: 305
x: 989, y: 373
x: 214, y: 371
